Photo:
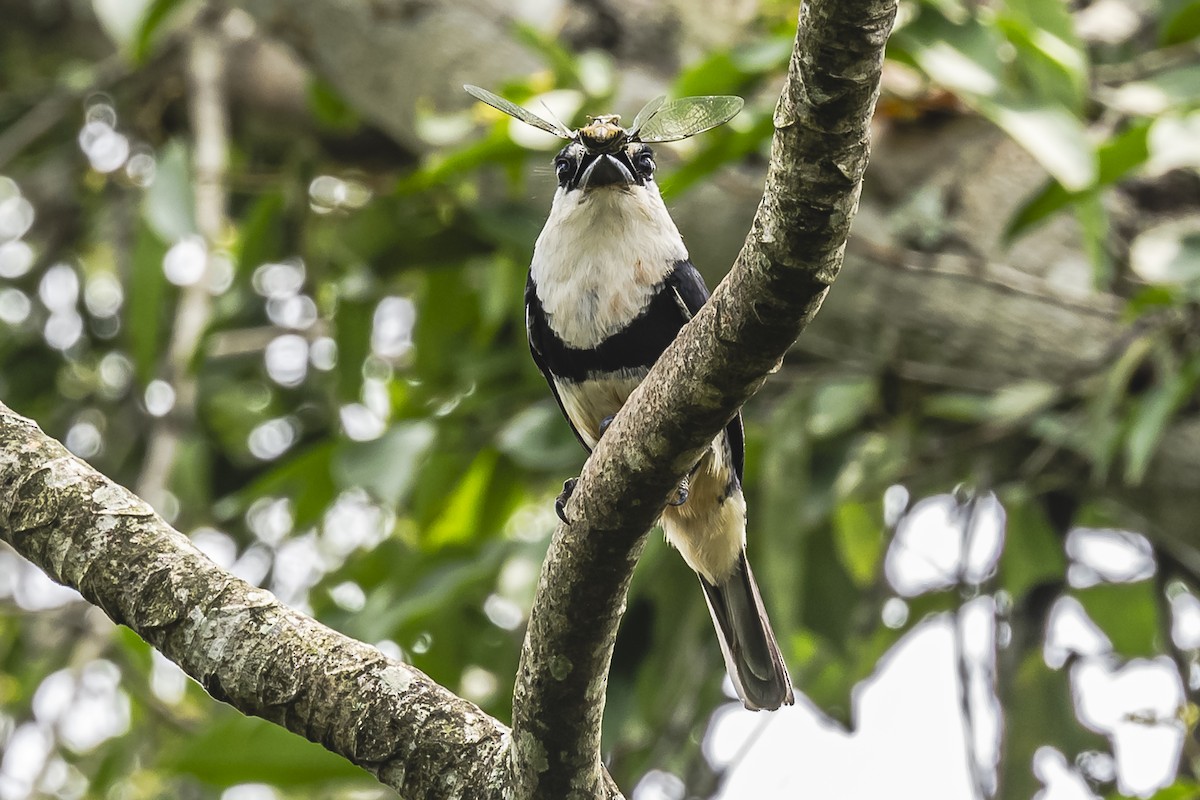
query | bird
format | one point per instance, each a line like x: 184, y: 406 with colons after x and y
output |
x: 610, y: 285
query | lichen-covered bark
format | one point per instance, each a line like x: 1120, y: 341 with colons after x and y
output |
x: 242, y: 645
x: 791, y: 257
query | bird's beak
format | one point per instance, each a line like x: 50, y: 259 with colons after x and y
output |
x: 605, y: 170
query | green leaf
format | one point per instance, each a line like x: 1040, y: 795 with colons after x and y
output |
x: 1020, y: 400
x: 329, y: 108
x: 1169, y: 254
x: 157, y: 13
x: 1052, y: 135
x: 1182, y: 789
x: 1127, y: 613
x: 168, y: 206
x: 838, y: 406
x: 241, y: 749
x: 1033, y: 552
x: 1093, y: 221
x: 828, y: 591
x: 1179, y: 21
x: 1153, y: 414
x: 963, y: 58
x: 536, y: 439
x: 859, y: 540
x: 717, y: 74
x: 260, y: 235
x: 147, y: 306
x: 1039, y: 711
x: 386, y: 467
x: 354, y: 322
x: 304, y: 477
x: 1009, y: 405
x: 462, y: 518
x: 1117, y: 157
x: 1050, y: 55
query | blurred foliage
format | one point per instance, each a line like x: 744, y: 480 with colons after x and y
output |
x: 370, y: 440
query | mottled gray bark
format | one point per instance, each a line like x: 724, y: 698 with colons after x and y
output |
x: 790, y: 258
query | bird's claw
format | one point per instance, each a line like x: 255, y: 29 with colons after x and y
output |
x: 681, y: 494
x: 560, y: 502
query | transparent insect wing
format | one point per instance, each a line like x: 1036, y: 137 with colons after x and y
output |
x: 528, y: 117
x: 687, y: 116
x: 648, y: 111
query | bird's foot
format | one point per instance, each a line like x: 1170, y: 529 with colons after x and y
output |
x: 681, y: 494
x: 560, y: 503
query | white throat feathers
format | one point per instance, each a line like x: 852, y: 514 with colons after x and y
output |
x: 600, y: 257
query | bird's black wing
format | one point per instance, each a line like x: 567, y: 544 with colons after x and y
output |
x: 691, y: 293
x: 538, y: 332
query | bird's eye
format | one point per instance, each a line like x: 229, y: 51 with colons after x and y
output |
x: 562, y: 168
x: 645, y: 163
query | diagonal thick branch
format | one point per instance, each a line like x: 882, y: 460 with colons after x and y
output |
x: 238, y: 641
x: 790, y: 258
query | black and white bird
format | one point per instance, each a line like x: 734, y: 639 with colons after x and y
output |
x: 610, y: 285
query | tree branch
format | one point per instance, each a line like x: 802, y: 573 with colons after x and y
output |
x: 792, y: 255
x: 243, y: 646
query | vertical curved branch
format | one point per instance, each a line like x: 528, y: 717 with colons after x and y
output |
x: 792, y: 255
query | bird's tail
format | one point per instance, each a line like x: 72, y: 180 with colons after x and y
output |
x: 751, y: 652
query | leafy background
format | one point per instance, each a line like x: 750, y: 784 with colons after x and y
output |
x: 360, y: 428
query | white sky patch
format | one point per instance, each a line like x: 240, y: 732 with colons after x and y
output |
x: 159, y: 398
x: 909, y: 731
x: 503, y: 613
x: 927, y: 551
x: 361, y: 423
x: 59, y: 288
x: 282, y: 279
x: 167, y: 680
x: 1108, y: 555
x: 16, y: 257
x: 84, y: 707
x: 1070, y: 630
x: 250, y: 791
x: 348, y: 596
x: 273, y: 438
x: 218, y: 546
x: 1136, y: 705
x: 1061, y: 780
x: 270, y: 519
x: 659, y: 785
x: 185, y: 263
x: 392, y: 327
x: 25, y: 754
x: 29, y: 587
x: 354, y: 522
x: 286, y: 359
x: 1185, y: 620
x: 562, y: 104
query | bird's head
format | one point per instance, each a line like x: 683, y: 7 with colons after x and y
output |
x: 582, y: 169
